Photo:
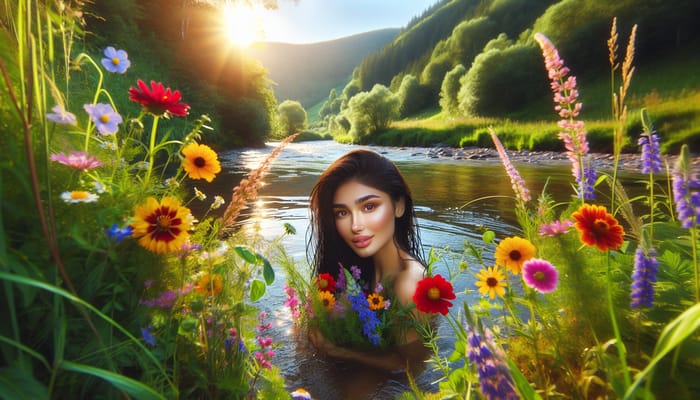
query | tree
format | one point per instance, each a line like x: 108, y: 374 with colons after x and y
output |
x: 449, y: 103
x: 410, y: 95
x: 372, y: 111
x: 291, y: 117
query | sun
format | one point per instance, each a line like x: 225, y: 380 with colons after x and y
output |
x: 243, y: 23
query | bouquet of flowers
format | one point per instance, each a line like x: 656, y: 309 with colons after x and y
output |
x: 344, y: 309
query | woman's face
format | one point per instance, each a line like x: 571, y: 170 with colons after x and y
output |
x: 364, y: 217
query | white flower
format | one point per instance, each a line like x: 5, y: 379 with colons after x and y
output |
x: 79, y: 196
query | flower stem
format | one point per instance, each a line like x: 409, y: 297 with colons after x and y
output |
x: 151, y: 148
x: 622, y: 352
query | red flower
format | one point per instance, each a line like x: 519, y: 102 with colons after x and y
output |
x: 325, y: 283
x: 598, y: 228
x: 432, y: 295
x: 158, y: 100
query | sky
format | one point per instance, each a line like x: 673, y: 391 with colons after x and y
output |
x: 309, y: 21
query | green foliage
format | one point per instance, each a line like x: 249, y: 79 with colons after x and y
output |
x: 450, y: 89
x: 291, y: 117
x: 501, y: 81
x: 373, y: 111
x: 411, y: 95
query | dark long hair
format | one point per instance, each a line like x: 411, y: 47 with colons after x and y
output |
x: 327, y: 248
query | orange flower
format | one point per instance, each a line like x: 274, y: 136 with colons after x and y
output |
x: 328, y: 300
x: 512, y: 253
x: 491, y: 282
x: 376, y: 301
x: 598, y: 228
x: 200, y: 162
x: 210, y: 284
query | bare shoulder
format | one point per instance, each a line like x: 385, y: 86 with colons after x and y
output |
x: 407, y: 280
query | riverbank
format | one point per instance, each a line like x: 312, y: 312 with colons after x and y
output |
x: 628, y: 162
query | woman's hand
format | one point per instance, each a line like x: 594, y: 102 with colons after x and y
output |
x: 322, y: 344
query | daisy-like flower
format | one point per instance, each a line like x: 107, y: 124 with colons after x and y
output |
x: 327, y: 299
x: 325, y: 282
x: 376, y: 301
x: 433, y: 294
x: 555, y: 228
x: 540, y: 275
x: 104, y: 117
x: 158, y: 100
x: 512, y: 252
x: 162, y: 226
x: 172, y: 182
x: 61, y: 116
x: 200, y: 162
x: 77, y: 160
x: 79, y: 196
x: 115, y: 60
x: 210, y: 284
x: 598, y: 228
x: 300, y: 394
x: 491, y: 281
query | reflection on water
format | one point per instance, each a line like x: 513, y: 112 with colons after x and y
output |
x: 456, y: 200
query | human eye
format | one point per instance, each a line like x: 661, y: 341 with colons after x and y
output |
x: 369, y: 206
x: 339, y: 212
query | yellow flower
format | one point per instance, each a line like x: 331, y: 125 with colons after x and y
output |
x: 210, y: 284
x: 376, y: 301
x: 328, y: 300
x: 200, y: 162
x: 512, y: 253
x: 161, y: 226
x: 491, y: 281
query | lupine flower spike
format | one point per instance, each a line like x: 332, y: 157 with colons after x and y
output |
x: 686, y: 190
x: 494, y: 376
x: 515, y: 179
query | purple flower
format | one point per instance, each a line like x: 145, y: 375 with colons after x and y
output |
x: 651, y: 152
x: 104, y: 117
x: 61, y: 116
x: 540, y: 275
x: 148, y: 337
x: 77, y: 160
x: 686, y: 190
x: 494, y: 376
x: 356, y: 272
x: 643, y: 278
x: 115, y: 60
x: 165, y: 300
x: 118, y: 234
x: 515, y: 179
x: 555, y: 228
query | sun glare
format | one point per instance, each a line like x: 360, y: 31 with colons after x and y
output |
x: 243, y: 23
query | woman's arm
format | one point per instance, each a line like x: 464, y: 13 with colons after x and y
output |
x: 401, y: 358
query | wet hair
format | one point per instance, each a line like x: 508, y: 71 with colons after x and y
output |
x: 327, y: 248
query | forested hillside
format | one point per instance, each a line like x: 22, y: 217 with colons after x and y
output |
x: 306, y: 72
x: 478, y: 58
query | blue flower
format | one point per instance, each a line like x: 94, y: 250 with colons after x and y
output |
x: 370, y: 322
x: 588, y: 186
x: 115, y: 60
x: 118, y: 234
x: 686, y: 190
x: 148, y: 337
x: 494, y: 377
x: 105, y: 118
x: 643, y: 278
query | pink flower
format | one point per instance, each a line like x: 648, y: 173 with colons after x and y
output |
x: 515, y: 179
x: 77, y: 160
x: 540, y: 275
x: 61, y: 116
x: 555, y: 228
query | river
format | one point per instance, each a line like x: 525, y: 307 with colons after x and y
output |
x: 456, y: 200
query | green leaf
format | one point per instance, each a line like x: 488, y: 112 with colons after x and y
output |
x: 18, y: 384
x: 134, y: 388
x: 246, y: 254
x: 524, y: 389
x: 257, y: 290
x: 289, y: 229
x: 268, y: 271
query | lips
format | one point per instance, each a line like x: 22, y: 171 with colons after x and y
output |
x: 362, y: 241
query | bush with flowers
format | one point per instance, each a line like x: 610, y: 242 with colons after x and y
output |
x: 599, y: 297
x: 112, y: 285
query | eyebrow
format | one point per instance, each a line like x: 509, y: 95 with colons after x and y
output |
x: 359, y: 201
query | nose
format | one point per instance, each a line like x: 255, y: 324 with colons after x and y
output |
x: 357, y: 225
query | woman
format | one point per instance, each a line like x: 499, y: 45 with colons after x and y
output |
x: 362, y: 214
